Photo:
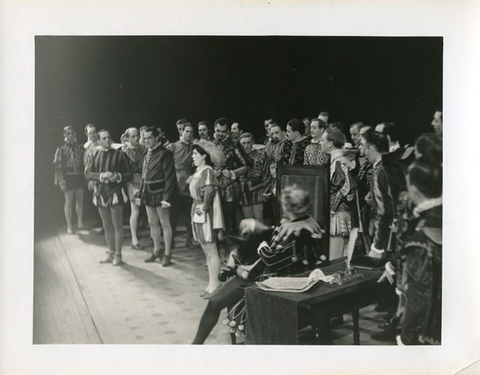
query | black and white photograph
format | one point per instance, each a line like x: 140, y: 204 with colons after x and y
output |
x: 225, y: 189
x: 126, y: 176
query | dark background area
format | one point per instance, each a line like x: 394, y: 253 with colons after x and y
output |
x: 119, y: 82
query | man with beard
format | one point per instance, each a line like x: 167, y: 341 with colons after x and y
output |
x: 203, y: 131
x: 237, y: 164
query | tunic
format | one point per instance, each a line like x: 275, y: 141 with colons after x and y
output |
x: 107, y: 193
x: 386, y: 187
x: 69, y: 166
x: 342, y: 194
x: 314, y: 154
x: 422, y: 281
x: 159, y: 182
x: 252, y: 183
x: 203, y: 232
x: 135, y: 157
x: 273, y: 153
x: 182, y: 157
x: 294, y: 152
x: 237, y: 161
x: 364, y: 181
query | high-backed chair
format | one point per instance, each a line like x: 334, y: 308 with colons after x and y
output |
x: 315, y: 180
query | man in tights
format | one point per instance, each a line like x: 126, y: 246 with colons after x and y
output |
x: 134, y: 152
x: 109, y: 171
x: 158, y: 190
x: 182, y: 157
x: 237, y: 164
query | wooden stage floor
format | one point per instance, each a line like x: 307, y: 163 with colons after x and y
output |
x: 79, y: 301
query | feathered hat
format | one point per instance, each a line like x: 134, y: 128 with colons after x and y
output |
x: 216, y: 155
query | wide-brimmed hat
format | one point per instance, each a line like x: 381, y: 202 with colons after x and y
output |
x: 216, y: 155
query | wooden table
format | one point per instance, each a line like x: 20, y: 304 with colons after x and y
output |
x: 274, y: 318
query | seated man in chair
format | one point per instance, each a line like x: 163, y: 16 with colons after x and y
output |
x: 286, y: 246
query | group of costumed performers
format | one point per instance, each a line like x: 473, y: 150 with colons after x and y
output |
x: 225, y: 173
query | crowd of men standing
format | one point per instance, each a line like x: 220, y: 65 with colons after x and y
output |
x: 368, y: 181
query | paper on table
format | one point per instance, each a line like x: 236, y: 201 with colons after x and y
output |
x: 293, y: 284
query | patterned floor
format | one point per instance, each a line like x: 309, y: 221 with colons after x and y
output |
x: 79, y: 301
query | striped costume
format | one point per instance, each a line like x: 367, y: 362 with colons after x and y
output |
x: 252, y: 183
x: 105, y: 192
x: 159, y: 182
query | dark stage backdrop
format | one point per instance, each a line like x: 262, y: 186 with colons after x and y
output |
x: 119, y: 82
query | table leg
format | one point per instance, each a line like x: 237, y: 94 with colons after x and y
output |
x: 320, y: 328
x: 356, y: 326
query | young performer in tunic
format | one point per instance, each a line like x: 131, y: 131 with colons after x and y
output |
x: 69, y: 169
x: 207, y: 215
x: 109, y: 171
x: 313, y: 152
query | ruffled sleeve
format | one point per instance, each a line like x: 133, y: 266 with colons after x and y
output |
x: 209, y: 178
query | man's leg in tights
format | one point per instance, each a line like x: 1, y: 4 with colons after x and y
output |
x: 109, y: 230
x: 226, y: 296
x: 117, y: 220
